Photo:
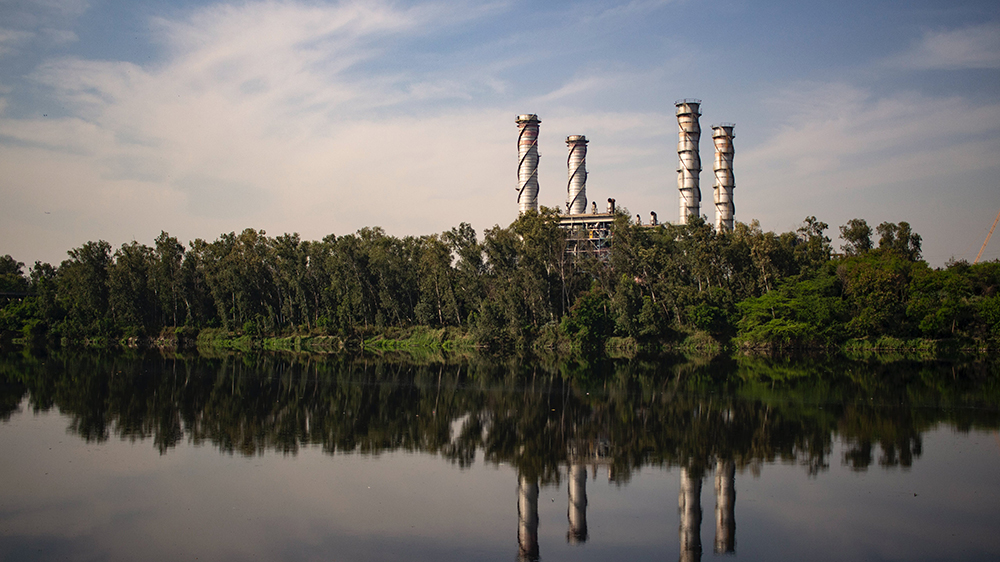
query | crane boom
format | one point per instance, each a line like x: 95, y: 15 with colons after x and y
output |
x: 980, y: 254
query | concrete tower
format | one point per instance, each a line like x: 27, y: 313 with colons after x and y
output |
x: 725, y: 210
x: 689, y: 167
x: 527, y: 166
x: 576, y: 164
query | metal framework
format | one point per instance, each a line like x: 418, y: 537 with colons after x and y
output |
x: 588, y: 234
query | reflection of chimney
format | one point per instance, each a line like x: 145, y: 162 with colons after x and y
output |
x: 527, y: 166
x: 689, y: 507
x: 725, y: 506
x: 527, y: 518
x: 577, y: 512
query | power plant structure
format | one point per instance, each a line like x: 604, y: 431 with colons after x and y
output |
x: 689, y: 165
x: 722, y: 137
x: 576, y: 163
x: 527, y: 164
x: 590, y: 232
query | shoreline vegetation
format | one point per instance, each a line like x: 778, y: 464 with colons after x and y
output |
x: 669, y: 288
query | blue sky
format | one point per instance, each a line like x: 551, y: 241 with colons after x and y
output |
x: 121, y: 119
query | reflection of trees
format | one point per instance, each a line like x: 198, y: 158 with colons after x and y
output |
x: 536, y: 417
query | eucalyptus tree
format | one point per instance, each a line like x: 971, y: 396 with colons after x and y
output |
x: 900, y: 239
x: 12, y: 279
x: 857, y: 237
x: 529, y: 280
x: 240, y: 275
x: 468, y: 267
x: 349, y: 296
x: 812, y: 250
x: 167, y: 279
x: 290, y: 266
x: 437, y: 303
x: 82, y: 282
x: 132, y: 300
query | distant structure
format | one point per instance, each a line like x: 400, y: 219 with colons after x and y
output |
x: 527, y: 166
x: 590, y: 232
x: 689, y: 166
x: 576, y: 164
x: 722, y: 136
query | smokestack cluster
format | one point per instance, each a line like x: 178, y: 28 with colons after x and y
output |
x: 688, y: 168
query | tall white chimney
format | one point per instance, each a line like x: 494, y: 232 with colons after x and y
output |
x: 527, y: 166
x: 689, y: 167
x: 725, y: 210
x: 576, y: 164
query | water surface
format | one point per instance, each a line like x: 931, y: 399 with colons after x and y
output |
x: 276, y: 458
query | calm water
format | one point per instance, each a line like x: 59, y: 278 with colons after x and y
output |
x: 271, y: 458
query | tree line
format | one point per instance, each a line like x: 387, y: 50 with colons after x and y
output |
x: 517, y: 286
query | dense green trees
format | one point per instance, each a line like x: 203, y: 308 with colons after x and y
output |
x: 517, y: 285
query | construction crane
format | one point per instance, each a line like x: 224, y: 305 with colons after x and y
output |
x: 980, y: 254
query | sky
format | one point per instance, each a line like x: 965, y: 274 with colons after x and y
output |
x: 122, y: 119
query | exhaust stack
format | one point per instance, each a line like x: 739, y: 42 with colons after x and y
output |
x: 725, y: 210
x: 576, y: 164
x: 689, y: 167
x: 527, y: 167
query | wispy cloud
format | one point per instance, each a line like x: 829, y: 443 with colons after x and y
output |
x: 848, y: 132
x: 11, y: 38
x: 841, y: 152
x: 976, y: 46
x: 27, y: 21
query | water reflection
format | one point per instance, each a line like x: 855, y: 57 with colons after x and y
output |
x: 527, y: 518
x: 689, y: 507
x: 550, y: 422
x: 725, y: 506
x: 628, y: 415
x: 576, y: 511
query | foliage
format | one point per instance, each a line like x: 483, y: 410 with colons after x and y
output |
x: 514, y: 288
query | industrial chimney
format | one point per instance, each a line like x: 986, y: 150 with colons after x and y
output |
x: 576, y: 163
x: 527, y: 167
x: 689, y: 168
x: 723, y: 137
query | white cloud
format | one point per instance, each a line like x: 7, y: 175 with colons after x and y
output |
x: 976, y: 46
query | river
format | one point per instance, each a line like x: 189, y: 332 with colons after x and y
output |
x: 275, y: 457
